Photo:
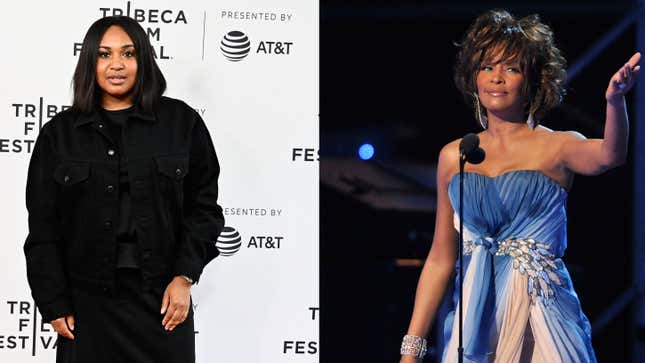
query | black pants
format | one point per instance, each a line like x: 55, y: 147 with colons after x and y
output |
x: 125, y: 328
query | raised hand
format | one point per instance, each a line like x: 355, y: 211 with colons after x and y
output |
x: 623, y: 80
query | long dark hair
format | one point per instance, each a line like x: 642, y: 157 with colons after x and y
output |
x: 150, y: 83
x: 526, y: 40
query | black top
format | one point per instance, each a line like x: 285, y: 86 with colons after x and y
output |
x: 125, y: 229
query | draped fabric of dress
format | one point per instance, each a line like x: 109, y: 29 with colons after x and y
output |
x: 519, y: 302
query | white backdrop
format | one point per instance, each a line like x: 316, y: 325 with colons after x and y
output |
x: 259, y: 304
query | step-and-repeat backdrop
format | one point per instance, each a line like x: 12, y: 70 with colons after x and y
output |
x: 259, y: 302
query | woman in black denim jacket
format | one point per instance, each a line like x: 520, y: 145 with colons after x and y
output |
x: 122, y: 200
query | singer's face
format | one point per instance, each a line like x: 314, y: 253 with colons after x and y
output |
x: 116, y: 68
x: 499, y: 87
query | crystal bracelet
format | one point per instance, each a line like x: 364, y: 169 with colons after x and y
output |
x: 414, y: 346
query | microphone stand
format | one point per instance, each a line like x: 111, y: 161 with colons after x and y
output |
x: 469, y: 151
x: 462, y: 163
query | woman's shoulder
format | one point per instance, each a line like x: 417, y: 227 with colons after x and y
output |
x: 448, y: 163
x: 449, y: 153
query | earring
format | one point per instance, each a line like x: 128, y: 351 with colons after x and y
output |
x: 483, y: 120
x: 531, y: 121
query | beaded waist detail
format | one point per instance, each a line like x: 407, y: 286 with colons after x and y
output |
x: 530, y: 258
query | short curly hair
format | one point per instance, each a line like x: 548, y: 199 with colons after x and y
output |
x: 497, y: 33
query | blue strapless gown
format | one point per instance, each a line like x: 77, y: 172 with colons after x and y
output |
x: 519, y: 302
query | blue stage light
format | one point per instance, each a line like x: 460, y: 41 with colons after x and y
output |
x: 366, y: 151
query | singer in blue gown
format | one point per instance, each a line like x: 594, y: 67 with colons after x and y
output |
x: 519, y: 303
x: 517, y: 291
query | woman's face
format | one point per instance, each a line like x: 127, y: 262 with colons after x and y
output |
x: 116, y: 68
x: 500, y: 88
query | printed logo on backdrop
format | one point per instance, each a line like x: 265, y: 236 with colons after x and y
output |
x: 27, y: 118
x: 236, y: 45
x: 228, y: 242
x: 28, y: 333
x: 153, y: 21
x: 265, y: 242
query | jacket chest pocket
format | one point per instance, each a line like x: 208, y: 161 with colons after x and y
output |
x: 172, y: 171
x: 72, y: 175
x: 73, y: 179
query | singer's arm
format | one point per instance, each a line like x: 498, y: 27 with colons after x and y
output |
x: 595, y: 156
x: 440, y: 262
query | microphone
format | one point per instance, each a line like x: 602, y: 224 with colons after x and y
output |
x: 476, y: 156
x: 468, y: 143
x: 469, y: 150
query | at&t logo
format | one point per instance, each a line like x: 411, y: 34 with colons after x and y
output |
x: 228, y: 242
x: 235, y: 46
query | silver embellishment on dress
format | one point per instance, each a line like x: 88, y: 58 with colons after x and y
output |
x: 486, y: 242
x: 534, y: 260
x: 531, y: 258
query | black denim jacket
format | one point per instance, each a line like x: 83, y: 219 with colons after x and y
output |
x: 72, y: 199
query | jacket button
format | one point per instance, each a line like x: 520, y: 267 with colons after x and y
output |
x: 111, y: 152
x: 178, y: 172
x: 66, y: 179
x: 107, y: 225
x: 100, y: 126
x: 110, y: 188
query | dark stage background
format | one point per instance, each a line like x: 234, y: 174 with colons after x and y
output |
x: 386, y: 78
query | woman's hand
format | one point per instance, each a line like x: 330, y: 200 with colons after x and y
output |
x: 64, y: 326
x: 175, y: 303
x: 623, y: 80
